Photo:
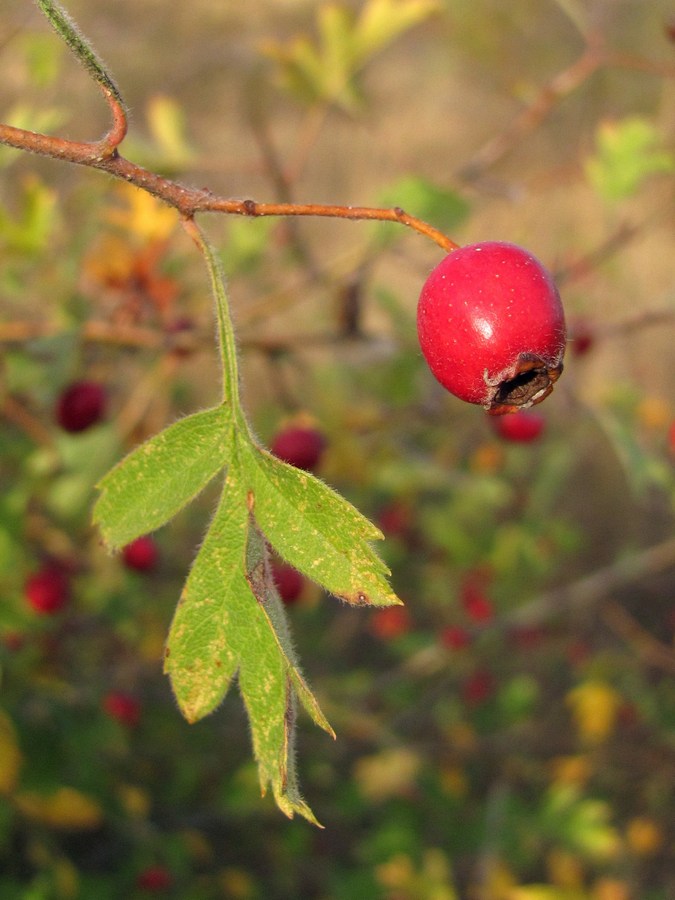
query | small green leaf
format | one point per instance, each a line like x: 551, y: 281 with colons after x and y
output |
x: 317, y: 531
x: 150, y: 485
x: 444, y: 207
x: 382, y: 21
x: 230, y: 621
x: 213, y: 618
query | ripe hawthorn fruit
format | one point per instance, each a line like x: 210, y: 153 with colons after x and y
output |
x: 47, y: 591
x: 81, y: 405
x: 123, y: 707
x: 474, y: 599
x: 491, y: 326
x: 454, y: 637
x: 390, y: 622
x: 154, y: 879
x: 478, y: 687
x: 671, y: 439
x: 300, y: 446
x: 521, y: 428
x: 141, y: 555
x: 288, y: 580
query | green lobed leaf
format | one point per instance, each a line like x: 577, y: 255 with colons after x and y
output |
x: 317, y: 531
x: 156, y: 480
x: 230, y: 621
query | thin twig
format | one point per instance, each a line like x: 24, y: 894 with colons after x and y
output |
x: 645, y: 645
x: 103, y: 155
x: 587, y: 592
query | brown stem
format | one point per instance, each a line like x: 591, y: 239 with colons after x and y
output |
x: 188, y: 201
x: 529, y: 118
x: 645, y: 645
x: 588, y: 592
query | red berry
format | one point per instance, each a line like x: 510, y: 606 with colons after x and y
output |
x: 491, y: 326
x: 478, y: 687
x: 123, y: 707
x: 527, y: 637
x: 475, y: 602
x: 395, y: 519
x: 455, y: 638
x: 519, y: 428
x: 288, y: 580
x: 300, y: 446
x: 141, y: 554
x: 582, y: 337
x: 154, y: 879
x: 48, y: 589
x: 81, y: 405
x: 390, y: 622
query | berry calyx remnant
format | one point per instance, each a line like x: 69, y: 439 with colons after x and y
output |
x: 491, y: 326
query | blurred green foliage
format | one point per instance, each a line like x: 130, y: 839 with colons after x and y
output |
x: 533, y: 763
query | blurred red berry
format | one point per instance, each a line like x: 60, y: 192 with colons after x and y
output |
x: 519, y: 427
x: 394, y: 519
x: 478, y: 687
x: 81, y: 405
x: 473, y: 597
x: 14, y: 641
x: 300, y: 446
x: 390, y: 622
x: 527, y: 637
x: 582, y: 337
x: 154, y: 879
x: 455, y: 638
x: 123, y: 707
x: 288, y: 580
x: 628, y: 715
x: 141, y: 555
x: 48, y: 589
x: 578, y: 652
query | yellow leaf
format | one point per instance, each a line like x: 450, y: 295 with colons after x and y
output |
x: 387, y: 774
x: 594, y: 705
x: 644, y: 836
x: 611, y: 889
x: 574, y: 770
x: 143, y: 216
x: 565, y: 869
x: 64, y: 809
x: 396, y: 873
x: 135, y: 801
x: 10, y: 755
x: 382, y: 21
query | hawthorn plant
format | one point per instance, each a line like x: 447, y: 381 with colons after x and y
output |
x: 491, y: 327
